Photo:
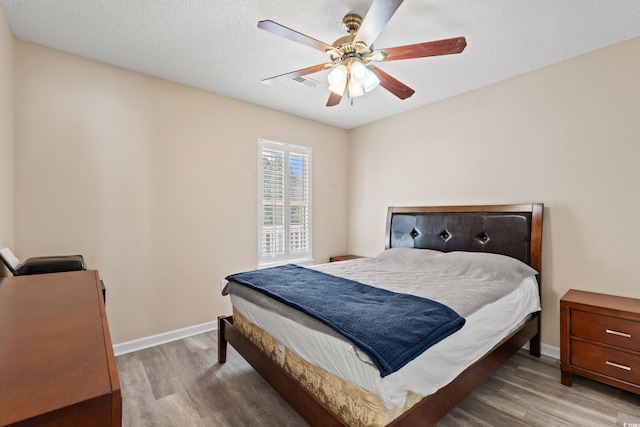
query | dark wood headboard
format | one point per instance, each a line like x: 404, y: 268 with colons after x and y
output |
x: 512, y: 230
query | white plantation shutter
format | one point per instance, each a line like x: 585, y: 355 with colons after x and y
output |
x: 284, y: 205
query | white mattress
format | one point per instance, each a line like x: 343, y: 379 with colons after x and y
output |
x: 430, y: 371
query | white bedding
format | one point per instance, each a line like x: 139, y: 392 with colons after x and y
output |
x: 430, y: 371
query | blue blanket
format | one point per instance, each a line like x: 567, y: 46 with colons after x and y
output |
x: 392, y: 328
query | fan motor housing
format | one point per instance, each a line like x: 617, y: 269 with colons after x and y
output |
x: 346, y: 46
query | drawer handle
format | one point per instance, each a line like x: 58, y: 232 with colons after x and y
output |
x: 620, y: 334
x: 616, y: 365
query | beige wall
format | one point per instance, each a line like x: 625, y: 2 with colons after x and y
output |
x: 154, y: 183
x: 6, y: 136
x: 566, y: 135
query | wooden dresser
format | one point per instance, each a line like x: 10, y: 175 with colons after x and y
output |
x: 57, y: 366
x: 600, y: 339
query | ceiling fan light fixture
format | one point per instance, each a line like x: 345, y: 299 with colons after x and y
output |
x: 370, y: 81
x: 338, y: 79
x: 355, y: 89
x: 357, y: 76
x: 358, y: 71
x: 364, y: 76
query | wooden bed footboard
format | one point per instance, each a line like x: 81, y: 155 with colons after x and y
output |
x: 426, y: 413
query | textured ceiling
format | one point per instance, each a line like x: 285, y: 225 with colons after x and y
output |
x: 216, y: 46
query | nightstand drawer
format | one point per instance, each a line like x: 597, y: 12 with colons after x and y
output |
x: 613, y: 363
x: 609, y: 330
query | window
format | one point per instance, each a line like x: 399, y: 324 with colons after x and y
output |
x: 284, y: 205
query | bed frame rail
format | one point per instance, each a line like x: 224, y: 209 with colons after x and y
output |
x: 427, y: 412
x: 314, y: 412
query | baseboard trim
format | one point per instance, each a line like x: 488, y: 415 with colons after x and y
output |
x: 163, y: 338
x: 547, y: 350
x: 550, y: 351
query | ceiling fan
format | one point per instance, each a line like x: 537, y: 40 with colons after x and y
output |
x: 351, y: 56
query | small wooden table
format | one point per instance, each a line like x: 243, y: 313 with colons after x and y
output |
x: 57, y: 365
x: 600, y: 339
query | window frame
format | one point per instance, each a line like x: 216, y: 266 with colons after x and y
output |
x: 266, y: 259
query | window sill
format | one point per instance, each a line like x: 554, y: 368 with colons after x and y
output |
x: 300, y: 262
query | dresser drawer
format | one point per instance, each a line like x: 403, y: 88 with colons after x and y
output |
x: 609, y: 330
x: 607, y: 361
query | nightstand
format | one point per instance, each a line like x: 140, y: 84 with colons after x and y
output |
x: 344, y: 258
x: 600, y: 339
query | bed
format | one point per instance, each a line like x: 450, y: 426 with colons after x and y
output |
x: 324, y: 398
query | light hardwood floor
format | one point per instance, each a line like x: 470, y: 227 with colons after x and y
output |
x: 181, y: 384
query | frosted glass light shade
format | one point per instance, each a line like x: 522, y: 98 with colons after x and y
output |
x: 358, y: 71
x: 371, y: 81
x: 364, y: 77
x: 338, y: 79
x: 355, y: 88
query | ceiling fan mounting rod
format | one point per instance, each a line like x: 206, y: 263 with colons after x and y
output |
x: 352, y: 23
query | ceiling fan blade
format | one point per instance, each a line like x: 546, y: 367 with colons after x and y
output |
x: 391, y: 84
x: 377, y: 17
x: 334, y: 99
x: 421, y: 50
x: 288, y: 33
x: 293, y: 74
